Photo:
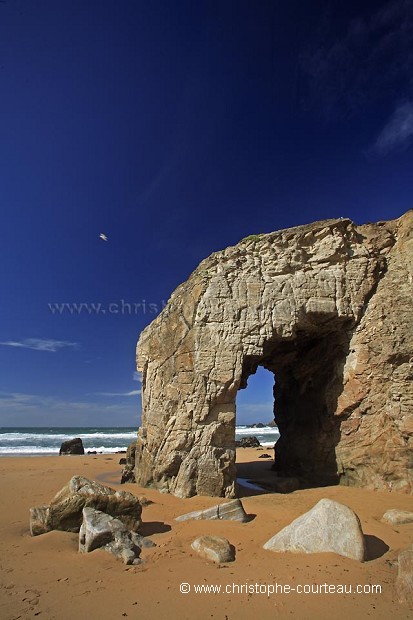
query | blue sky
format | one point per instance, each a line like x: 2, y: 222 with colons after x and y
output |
x: 175, y: 128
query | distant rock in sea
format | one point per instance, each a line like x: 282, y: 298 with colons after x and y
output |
x: 73, y: 446
x: 247, y: 442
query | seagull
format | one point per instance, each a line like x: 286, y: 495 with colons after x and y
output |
x: 103, y: 237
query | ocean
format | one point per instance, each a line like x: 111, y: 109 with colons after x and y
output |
x: 47, y: 441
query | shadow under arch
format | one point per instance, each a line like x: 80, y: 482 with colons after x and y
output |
x: 309, y: 370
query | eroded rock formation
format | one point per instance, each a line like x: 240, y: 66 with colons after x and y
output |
x: 327, y: 308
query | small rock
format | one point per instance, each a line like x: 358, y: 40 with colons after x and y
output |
x: 404, y: 581
x: 144, y: 501
x: 397, y: 517
x: 73, y: 446
x: 230, y: 511
x: 100, y: 530
x: 214, y: 548
x: 97, y: 530
x: 142, y: 541
x: 122, y: 461
x: 327, y: 527
x: 264, y: 456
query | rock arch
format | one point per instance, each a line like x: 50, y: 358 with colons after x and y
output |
x: 328, y: 308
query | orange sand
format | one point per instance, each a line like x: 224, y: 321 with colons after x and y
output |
x: 46, y: 577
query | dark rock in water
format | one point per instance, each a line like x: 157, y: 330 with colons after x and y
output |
x: 128, y: 472
x: 257, y: 425
x: 91, y: 452
x: 264, y: 456
x: 248, y: 442
x: 73, y: 446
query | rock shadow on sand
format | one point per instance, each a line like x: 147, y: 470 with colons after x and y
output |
x: 375, y: 547
x: 154, y: 527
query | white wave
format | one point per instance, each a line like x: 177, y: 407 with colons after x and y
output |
x: 10, y: 450
x: 9, y: 437
x: 266, y: 430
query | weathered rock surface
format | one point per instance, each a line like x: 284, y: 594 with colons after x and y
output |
x: 397, y: 517
x: 328, y: 527
x: 100, y: 530
x: 214, y: 548
x: 38, y: 520
x: 404, y: 581
x: 72, y: 446
x: 65, y: 509
x: 327, y: 308
x: 128, y: 472
x: 230, y: 511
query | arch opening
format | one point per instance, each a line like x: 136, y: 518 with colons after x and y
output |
x: 308, y: 371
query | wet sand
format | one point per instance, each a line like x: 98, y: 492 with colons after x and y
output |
x: 45, y: 577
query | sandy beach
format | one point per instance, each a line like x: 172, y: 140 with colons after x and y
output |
x: 46, y: 577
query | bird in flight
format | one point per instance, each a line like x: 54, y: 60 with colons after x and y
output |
x: 103, y: 237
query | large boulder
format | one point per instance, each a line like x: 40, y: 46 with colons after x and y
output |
x: 72, y: 446
x: 327, y: 527
x: 214, y: 548
x: 229, y: 511
x: 65, y: 510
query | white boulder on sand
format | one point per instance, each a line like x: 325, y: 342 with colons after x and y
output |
x: 327, y: 527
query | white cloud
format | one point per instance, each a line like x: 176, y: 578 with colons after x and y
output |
x: 40, y: 344
x: 137, y: 376
x: 397, y: 132
x: 132, y: 393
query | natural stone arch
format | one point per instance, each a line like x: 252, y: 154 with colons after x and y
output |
x: 326, y: 306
